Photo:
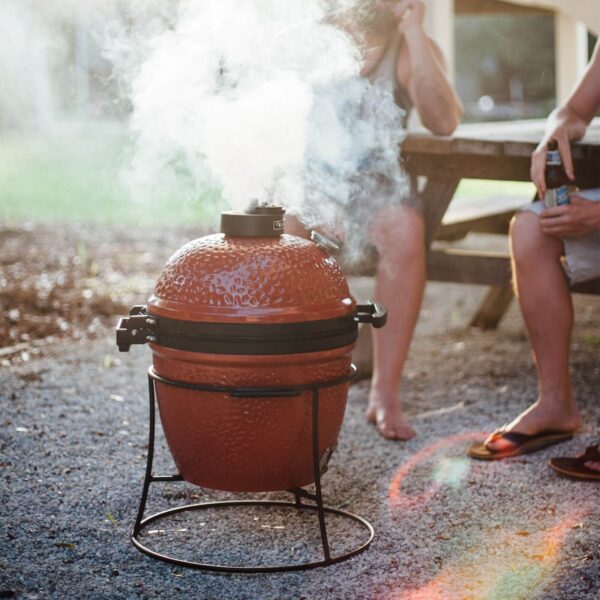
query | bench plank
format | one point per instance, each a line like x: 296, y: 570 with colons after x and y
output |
x: 484, y: 215
x: 465, y: 266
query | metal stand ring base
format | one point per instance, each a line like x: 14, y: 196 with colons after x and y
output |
x: 299, y: 493
x: 249, y: 569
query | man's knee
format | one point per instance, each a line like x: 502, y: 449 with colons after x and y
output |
x: 399, y: 231
x: 528, y: 243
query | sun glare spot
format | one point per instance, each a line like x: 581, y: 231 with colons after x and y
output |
x: 450, y: 471
x: 446, y: 471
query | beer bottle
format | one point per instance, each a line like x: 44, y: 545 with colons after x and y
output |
x: 557, y: 191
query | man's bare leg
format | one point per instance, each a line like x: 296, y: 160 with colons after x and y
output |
x: 547, y: 308
x: 399, y: 234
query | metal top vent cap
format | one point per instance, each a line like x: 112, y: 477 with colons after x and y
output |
x: 258, y: 220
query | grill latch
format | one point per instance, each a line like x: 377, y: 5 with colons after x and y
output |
x: 371, y: 312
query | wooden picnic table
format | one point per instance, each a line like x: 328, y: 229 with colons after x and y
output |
x: 499, y: 151
x: 496, y: 151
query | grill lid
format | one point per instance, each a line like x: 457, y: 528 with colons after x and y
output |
x: 249, y: 290
x: 223, y: 278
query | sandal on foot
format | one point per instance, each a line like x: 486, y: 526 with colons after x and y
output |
x: 575, y: 466
x: 520, y: 443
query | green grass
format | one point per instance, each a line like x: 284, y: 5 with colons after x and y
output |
x: 484, y: 188
x: 77, y: 177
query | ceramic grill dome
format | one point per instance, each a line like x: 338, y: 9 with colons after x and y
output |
x: 249, y: 308
x: 223, y: 279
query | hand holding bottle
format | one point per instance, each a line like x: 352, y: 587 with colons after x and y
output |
x: 539, y: 157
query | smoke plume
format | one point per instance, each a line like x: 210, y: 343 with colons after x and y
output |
x: 255, y: 99
x: 263, y: 99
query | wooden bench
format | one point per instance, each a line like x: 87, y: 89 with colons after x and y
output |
x: 497, y: 151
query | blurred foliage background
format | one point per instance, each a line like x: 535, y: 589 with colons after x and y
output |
x: 505, y: 64
x: 63, y: 114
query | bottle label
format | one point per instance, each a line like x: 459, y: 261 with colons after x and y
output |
x: 556, y: 197
x: 553, y: 158
x: 562, y: 195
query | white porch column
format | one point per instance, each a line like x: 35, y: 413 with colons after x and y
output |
x: 571, y: 53
x: 439, y: 24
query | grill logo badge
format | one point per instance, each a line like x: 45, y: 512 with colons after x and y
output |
x: 277, y: 225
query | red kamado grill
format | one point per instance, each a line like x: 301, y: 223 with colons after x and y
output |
x: 251, y: 333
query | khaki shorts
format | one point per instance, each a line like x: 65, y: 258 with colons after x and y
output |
x: 582, y: 253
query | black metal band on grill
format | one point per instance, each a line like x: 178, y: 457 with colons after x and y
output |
x: 246, y: 338
x: 255, y: 339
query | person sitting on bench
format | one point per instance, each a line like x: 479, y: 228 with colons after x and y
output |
x: 550, y: 249
x: 397, y: 51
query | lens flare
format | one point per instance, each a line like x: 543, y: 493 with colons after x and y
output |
x: 449, y: 471
x: 517, y: 566
x: 489, y: 561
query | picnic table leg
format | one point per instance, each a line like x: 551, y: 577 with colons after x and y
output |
x: 493, y: 307
x: 436, y: 195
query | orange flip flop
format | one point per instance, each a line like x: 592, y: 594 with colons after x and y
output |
x: 519, y: 443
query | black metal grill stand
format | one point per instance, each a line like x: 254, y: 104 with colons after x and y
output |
x: 300, y: 494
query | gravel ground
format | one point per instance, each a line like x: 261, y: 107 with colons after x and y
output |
x: 73, y: 450
x: 73, y: 441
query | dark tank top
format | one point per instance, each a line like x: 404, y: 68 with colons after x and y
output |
x: 385, y: 74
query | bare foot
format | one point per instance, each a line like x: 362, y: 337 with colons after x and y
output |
x: 386, y: 413
x: 556, y: 416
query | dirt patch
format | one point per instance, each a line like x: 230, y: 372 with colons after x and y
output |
x: 72, y: 281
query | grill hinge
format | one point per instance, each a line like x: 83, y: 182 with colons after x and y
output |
x: 137, y: 328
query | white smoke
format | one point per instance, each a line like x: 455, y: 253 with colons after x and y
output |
x: 49, y: 56
x: 263, y: 99
x: 257, y: 99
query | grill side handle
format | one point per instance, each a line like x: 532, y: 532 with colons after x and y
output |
x: 137, y: 328
x: 371, y: 312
